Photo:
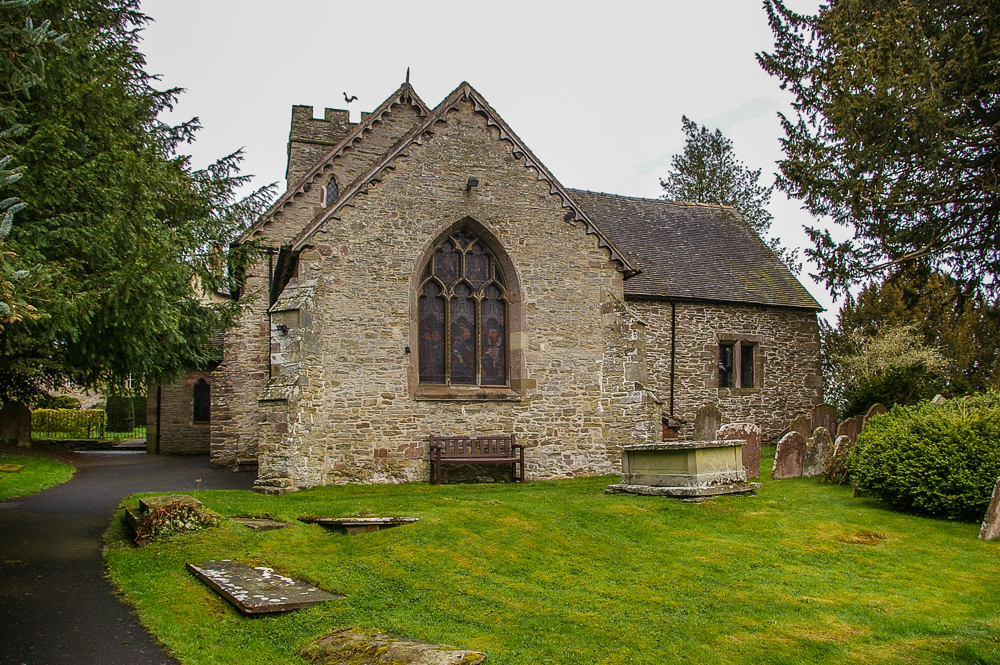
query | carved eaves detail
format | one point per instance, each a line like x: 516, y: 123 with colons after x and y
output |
x: 404, y: 95
x: 424, y: 131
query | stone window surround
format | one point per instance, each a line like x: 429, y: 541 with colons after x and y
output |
x: 738, y: 342
x: 516, y: 335
x: 201, y: 381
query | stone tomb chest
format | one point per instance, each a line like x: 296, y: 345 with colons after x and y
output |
x: 684, y: 469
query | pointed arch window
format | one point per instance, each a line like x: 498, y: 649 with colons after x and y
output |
x: 202, y: 402
x: 462, y: 314
x: 332, y: 192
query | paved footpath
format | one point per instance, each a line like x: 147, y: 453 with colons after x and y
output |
x: 55, y: 604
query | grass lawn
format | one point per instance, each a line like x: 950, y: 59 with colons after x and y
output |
x: 559, y: 572
x: 38, y: 473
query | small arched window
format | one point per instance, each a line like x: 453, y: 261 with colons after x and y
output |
x: 331, y: 191
x: 202, y: 402
x: 462, y: 310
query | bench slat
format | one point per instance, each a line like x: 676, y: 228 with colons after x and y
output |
x: 481, y: 450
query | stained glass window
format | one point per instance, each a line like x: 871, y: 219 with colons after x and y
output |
x: 462, y: 315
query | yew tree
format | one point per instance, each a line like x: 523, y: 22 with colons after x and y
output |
x: 895, y: 134
x: 132, y: 239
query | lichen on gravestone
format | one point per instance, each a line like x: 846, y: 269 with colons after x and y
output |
x: 819, y: 448
x: 360, y: 648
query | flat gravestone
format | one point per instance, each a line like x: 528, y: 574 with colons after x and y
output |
x: 355, y: 525
x: 875, y: 410
x: 825, y: 416
x: 788, y: 457
x: 15, y: 425
x: 258, y: 523
x: 751, y: 451
x: 802, y: 425
x: 991, y: 524
x: 11, y: 468
x: 148, y: 503
x: 850, y: 428
x: 257, y: 590
x: 819, y: 448
x: 348, y: 646
x: 707, y: 421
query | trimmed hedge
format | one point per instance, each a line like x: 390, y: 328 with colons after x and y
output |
x: 941, y: 460
x: 84, y: 423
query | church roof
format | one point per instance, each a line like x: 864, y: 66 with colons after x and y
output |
x: 694, y: 252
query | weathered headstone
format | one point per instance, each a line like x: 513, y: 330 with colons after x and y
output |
x: 707, y: 421
x: 257, y: 590
x: 875, y: 410
x: 347, y: 645
x: 939, y: 399
x: 751, y: 451
x: 819, y: 448
x: 788, y: 457
x: 825, y: 416
x: 850, y: 428
x: 802, y: 425
x: 991, y: 524
x: 842, y: 446
x: 15, y: 425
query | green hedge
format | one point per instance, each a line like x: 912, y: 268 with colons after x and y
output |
x: 85, y: 423
x: 935, y: 459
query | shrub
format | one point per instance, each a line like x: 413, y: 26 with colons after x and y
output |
x: 56, y: 402
x: 936, y: 459
x: 896, y: 385
x: 163, y: 521
x: 83, y: 423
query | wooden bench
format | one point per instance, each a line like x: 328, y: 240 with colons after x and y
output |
x: 482, y: 450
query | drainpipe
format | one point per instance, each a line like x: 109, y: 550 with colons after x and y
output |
x: 158, y: 402
x: 673, y: 351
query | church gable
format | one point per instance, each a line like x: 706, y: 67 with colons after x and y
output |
x: 317, y: 173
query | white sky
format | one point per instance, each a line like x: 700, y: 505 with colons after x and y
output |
x: 596, y: 89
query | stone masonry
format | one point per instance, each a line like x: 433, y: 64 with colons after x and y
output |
x: 179, y: 434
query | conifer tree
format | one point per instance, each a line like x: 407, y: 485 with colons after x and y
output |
x: 133, y: 240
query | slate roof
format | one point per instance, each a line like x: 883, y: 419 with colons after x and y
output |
x: 693, y: 252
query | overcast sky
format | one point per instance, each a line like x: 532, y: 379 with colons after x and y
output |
x: 596, y: 89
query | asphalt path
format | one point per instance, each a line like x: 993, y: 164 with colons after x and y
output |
x: 55, y: 604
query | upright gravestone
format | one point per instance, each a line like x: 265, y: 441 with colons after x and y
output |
x: 842, y: 446
x: 819, y: 447
x: 707, y: 421
x: 15, y: 425
x: 788, y: 457
x: 939, y: 399
x: 751, y: 451
x: 991, y: 524
x: 802, y: 425
x: 850, y: 428
x: 877, y: 409
x: 825, y: 416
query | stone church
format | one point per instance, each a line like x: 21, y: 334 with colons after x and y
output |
x: 429, y: 275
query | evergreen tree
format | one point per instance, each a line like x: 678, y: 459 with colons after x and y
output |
x: 132, y: 238
x: 709, y: 172
x: 896, y: 134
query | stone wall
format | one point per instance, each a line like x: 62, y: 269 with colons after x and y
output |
x: 343, y: 404
x: 179, y: 434
x: 788, y: 380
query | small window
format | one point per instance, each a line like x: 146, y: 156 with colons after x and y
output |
x: 202, y: 402
x: 726, y: 368
x: 746, y: 365
x: 331, y: 191
x: 736, y: 364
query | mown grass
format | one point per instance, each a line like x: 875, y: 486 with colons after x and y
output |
x: 559, y: 572
x: 38, y: 473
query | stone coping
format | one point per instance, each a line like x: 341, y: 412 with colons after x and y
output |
x: 685, y: 445
x: 712, y: 490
